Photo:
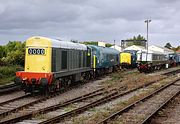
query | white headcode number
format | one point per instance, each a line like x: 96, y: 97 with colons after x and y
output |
x: 36, y: 51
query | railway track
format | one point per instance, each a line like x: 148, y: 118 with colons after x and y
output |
x: 24, y: 101
x: 11, y: 103
x: 17, y: 103
x: 35, y: 112
x: 103, y: 100
x: 137, y: 112
x: 168, y: 71
x: 172, y: 72
x: 168, y: 114
x: 31, y: 113
x: 9, y: 88
x: 110, y: 96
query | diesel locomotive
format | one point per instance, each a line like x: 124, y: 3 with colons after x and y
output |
x: 128, y: 59
x: 52, y: 64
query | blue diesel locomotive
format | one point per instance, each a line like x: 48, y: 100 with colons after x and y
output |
x: 104, y: 59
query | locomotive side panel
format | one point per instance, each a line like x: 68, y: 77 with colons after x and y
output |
x: 68, y: 59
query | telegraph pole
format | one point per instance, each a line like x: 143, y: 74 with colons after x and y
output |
x: 147, y: 21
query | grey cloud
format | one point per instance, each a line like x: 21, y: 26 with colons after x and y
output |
x: 89, y: 19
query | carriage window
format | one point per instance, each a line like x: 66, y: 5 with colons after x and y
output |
x: 64, y: 60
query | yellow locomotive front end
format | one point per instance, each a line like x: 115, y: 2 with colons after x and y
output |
x: 37, y: 72
x: 38, y: 55
x: 125, y: 59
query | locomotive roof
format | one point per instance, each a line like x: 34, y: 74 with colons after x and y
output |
x: 49, y: 42
x: 104, y: 49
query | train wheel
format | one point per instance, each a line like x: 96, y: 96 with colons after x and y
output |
x: 88, y: 76
x: 47, y: 91
x: 66, y: 83
x: 57, y: 85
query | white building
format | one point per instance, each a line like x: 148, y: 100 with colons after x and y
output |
x: 160, y: 49
x: 134, y: 47
x: 103, y: 44
x: 116, y: 47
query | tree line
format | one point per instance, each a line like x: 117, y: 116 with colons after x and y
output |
x: 12, y: 54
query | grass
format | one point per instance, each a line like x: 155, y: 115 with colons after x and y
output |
x: 69, y: 108
x: 7, y: 73
x: 117, y: 79
x: 6, y: 80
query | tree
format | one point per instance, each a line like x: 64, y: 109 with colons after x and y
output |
x: 168, y: 45
x: 108, y: 45
x: 176, y: 48
x: 139, y: 41
x: 2, y: 51
x: 13, y: 53
x: 138, y: 38
x: 90, y: 43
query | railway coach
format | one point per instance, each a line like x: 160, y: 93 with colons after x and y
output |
x: 151, y: 61
x: 52, y: 64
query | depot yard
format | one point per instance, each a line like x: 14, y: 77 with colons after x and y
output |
x: 137, y: 85
x: 123, y: 82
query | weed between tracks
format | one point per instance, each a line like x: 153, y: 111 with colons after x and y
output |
x: 94, y: 117
x: 69, y: 108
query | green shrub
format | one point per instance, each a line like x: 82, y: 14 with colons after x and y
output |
x: 9, y: 70
x: 7, y: 73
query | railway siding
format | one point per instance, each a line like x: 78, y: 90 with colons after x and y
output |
x: 104, y: 110
x: 50, y: 103
x: 70, y: 94
x: 84, y: 108
x: 140, y: 110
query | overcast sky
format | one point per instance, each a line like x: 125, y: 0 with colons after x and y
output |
x: 86, y: 20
